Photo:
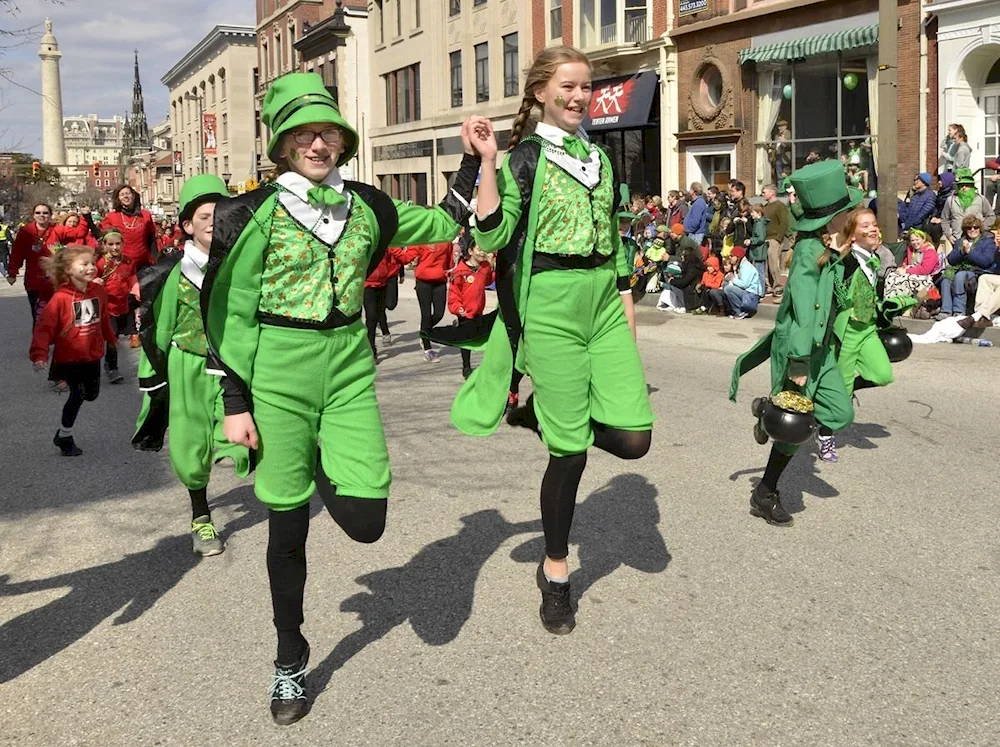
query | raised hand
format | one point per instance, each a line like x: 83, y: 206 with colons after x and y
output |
x: 483, y: 138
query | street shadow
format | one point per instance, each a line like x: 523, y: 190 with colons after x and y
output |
x: 433, y: 591
x: 615, y: 527
x: 801, y: 478
x: 135, y: 582
x: 862, y: 435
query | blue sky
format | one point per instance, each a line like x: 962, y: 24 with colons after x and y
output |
x: 97, y: 39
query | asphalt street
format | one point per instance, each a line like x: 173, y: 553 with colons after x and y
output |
x: 872, y: 621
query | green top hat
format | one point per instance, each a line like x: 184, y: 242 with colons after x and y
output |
x: 298, y: 99
x: 198, y: 190
x: 964, y: 176
x: 823, y: 193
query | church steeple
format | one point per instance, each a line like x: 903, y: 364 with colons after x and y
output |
x: 136, y: 135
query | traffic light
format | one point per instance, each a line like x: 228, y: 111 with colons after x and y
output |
x: 97, y: 169
x: 36, y: 167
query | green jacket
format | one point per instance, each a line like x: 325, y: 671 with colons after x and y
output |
x: 230, y: 295
x: 757, y: 251
x: 158, y: 290
x: 802, y: 334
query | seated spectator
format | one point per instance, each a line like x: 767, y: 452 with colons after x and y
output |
x: 711, y: 279
x: 965, y: 201
x: 680, y: 293
x: 918, y: 207
x: 916, y: 274
x: 974, y: 254
x: 718, y: 303
x: 744, y: 291
x: 679, y: 242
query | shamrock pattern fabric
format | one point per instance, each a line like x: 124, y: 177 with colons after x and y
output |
x: 565, y: 228
x: 305, y: 279
x: 189, y: 330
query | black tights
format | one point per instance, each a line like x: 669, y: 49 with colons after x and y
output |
x: 80, y: 391
x: 433, y: 300
x: 375, y: 305
x: 364, y: 521
x: 562, y: 481
x: 118, y: 324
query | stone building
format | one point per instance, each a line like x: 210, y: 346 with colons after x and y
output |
x: 212, y: 106
x: 434, y: 64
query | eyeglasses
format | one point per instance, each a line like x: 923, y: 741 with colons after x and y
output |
x: 42, y: 212
x: 331, y: 136
x: 974, y: 228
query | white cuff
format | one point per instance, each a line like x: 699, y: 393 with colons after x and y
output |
x: 152, y: 388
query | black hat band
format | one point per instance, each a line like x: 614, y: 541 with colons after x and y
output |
x: 297, y: 104
x: 827, y: 210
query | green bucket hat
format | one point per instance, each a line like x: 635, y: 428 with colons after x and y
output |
x: 823, y: 193
x: 964, y: 176
x: 298, y: 99
x: 198, y: 190
x: 626, y: 215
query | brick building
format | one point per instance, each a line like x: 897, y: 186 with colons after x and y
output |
x: 634, y: 108
x: 765, y: 85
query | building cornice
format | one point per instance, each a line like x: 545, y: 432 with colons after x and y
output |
x: 742, y: 15
x: 284, y: 11
x: 219, y: 38
x: 948, y: 6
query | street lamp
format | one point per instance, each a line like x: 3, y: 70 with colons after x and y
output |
x: 226, y: 177
x: 188, y: 96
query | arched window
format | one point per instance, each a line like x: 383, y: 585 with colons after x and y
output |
x: 993, y: 76
x: 222, y: 84
x: 211, y: 90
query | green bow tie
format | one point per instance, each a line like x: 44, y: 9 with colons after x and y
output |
x: 324, y: 196
x: 576, y: 147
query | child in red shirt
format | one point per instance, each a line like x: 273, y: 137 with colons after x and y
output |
x: 467, y: 292
x: 75, y: 321
x: 117, y: 275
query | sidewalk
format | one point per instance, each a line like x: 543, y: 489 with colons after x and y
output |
x: 769, y: 311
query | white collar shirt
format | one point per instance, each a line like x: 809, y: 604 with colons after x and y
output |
x: 588, y: 172
x: 327, y: 224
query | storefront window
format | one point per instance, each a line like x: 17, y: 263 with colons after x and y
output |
x: 813, y: 111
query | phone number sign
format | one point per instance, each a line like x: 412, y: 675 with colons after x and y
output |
x: 687, y: 7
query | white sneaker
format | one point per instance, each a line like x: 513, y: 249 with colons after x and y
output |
x: 431, y: 356
x: 386, y: 340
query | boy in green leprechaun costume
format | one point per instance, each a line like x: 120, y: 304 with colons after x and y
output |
x: 180, y: 392
x: 282, y: 306
x: 824, y: 342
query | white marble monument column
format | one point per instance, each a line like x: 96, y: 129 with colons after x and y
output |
x: 53, y: 143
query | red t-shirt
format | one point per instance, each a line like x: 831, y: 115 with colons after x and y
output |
x: 32, y: 244
x: 434, y: 261
x: 468, y: 289
x: 118, y: 277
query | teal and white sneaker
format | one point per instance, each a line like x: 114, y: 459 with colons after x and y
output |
x: 289, y: 701
x: 205, y: 539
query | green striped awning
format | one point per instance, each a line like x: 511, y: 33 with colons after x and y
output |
x: 811, y: 46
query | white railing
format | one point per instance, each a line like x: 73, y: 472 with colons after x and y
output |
x: 636, y: 29
x: 609, y: 33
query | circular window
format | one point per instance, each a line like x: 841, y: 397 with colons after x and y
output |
x: 710, y: 87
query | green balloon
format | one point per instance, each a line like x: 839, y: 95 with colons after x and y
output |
x: 850, y: 81
x: 787, y: 91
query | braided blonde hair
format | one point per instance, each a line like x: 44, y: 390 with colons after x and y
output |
x: 538, y: 76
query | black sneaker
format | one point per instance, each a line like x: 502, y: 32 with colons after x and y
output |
x: 767, y: 505
x: 524, y: 416
x: 556, y: 611
x: 288, y: 691
x: 66, y: 445
x: 466, y: 372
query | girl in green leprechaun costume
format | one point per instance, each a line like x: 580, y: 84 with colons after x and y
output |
x: 282, y: 306
x: 825, y: 340
x: 566, y: 317
x: 180, y: 391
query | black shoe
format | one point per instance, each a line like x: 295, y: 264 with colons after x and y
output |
x: 767, y: 505
x: 556, y: 611
x: 66, y: 445
x: 466, y: 372
x: 288, y: 691
x: 524, y: 416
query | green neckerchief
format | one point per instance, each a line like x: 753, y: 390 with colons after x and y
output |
x: 966, y: 196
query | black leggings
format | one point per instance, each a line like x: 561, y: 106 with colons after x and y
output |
x: 118, y: 324
x: 375, y: 305
x: 562, y: 481
x: 433, y: 299
x: 362, y: 518
x: 84, y: 382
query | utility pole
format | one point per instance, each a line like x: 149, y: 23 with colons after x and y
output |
x: 888, y: 119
